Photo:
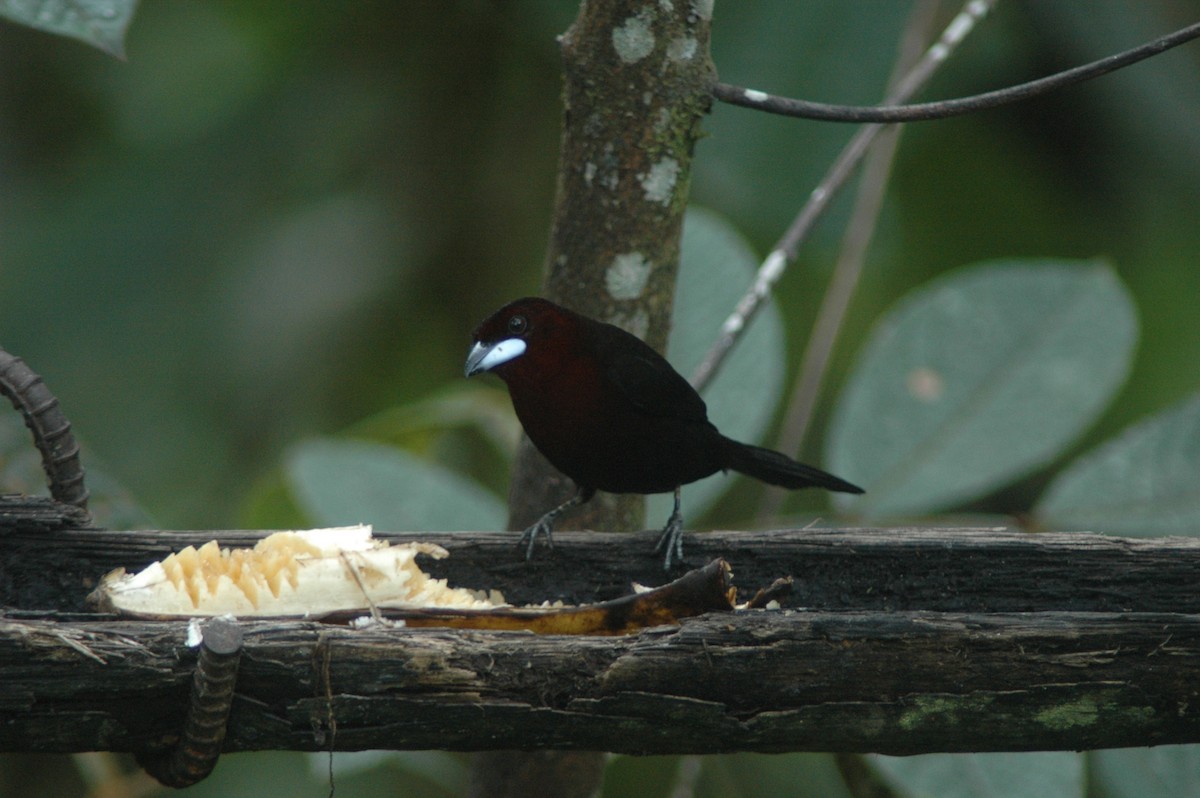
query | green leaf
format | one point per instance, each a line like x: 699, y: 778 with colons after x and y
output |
x: 716, y: 261
x: 100, y: 23
x: 485, y: 408
x: 1141, y: 483
x: 1166, y: 771
x: 1034, y: 775
x: 978, y: 378
x: 350, y: 482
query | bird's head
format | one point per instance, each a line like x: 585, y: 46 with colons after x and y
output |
x: 525, y: 330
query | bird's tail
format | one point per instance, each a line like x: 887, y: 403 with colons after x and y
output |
x: 775, y: 468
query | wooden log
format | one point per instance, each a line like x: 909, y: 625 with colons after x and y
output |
x: 780, y: 680
x: 895, y: 640
x: 905, y: 568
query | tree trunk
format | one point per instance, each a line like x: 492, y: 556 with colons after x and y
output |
x: 637, y: 81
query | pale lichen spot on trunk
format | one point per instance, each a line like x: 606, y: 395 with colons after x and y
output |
x: 659, y: 183
x: 627, y: 275
x: 683, y: 48
x: 633, y: 40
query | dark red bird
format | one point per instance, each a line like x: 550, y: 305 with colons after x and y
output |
x: 613, y: 415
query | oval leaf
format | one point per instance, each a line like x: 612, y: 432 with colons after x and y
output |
x: 100, y: 23
x: 978, y: 378
x: 349, y: 482
x: 743, y: 396
x: 1166, y: 771
x: 1142, y: 483
x: 1055, y: 774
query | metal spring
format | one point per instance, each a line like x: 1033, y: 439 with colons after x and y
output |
x: 50, y: 428
x: 196, y: 753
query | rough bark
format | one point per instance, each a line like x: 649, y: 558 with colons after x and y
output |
x: 905, y: 568
x: 913, y: 640
x: 783, y: 680
x: 637, y: 82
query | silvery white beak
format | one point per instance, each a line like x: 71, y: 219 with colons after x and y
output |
x: 485, y: 357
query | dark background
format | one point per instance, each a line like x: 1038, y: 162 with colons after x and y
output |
x: 273, y: 221
x: 264, y: 225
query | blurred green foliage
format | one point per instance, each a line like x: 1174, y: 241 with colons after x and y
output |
x: 1050, y: 774
x: 270, y: 224
x: 264, y: 226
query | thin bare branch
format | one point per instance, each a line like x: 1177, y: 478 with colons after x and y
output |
x: 785, y: 250
x: 846, y: 272
x: 941, y: 109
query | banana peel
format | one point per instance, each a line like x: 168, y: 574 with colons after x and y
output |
x: 702, y: 590
x: 286, y: 574
x: 342, y: 574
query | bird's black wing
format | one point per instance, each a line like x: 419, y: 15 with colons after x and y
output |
x: 648, y: 381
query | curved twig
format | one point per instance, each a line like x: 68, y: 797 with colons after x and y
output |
x: 918, y: 112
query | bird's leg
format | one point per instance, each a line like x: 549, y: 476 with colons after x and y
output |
x: 545, y: 524
x: 672, y: 535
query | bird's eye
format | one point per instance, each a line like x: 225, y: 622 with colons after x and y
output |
x: 517, y: 325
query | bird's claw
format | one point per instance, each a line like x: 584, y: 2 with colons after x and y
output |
x: 545, y: 524
x: 672, y: 535
x: 530, y: 536
x: 672, y: 540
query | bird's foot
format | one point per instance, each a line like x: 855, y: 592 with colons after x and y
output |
x: 672, y: 538
x: 543, y: 526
